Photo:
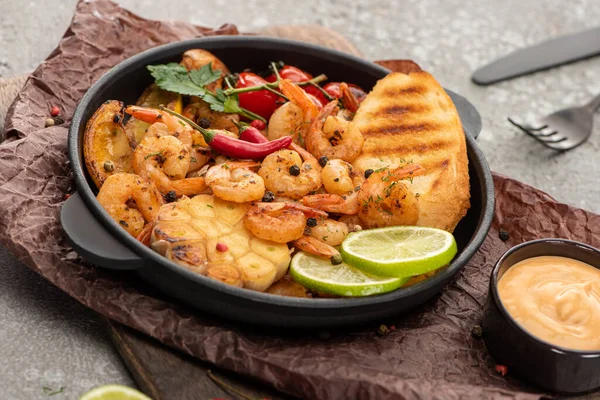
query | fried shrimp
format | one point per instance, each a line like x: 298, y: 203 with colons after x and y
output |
x: 165, y: 124
x: 329, y: 231
x: 291, y: 173
x: 233, y: 181
x: 287, y: 120
x: 118, y: 193
x: 278, y: 222
x: 166, y: 161
x: 382, y: 200
x: 339, y: 177
x: 333, y: 136
x: 298, y: 97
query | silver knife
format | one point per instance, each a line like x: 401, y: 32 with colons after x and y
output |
x: 548, y: 54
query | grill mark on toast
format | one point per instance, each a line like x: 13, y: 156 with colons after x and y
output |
x: 379, y: 131
x: 396, y: 91
x: 414, y: 149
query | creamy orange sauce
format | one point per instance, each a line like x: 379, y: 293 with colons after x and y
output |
x: 556, y: 299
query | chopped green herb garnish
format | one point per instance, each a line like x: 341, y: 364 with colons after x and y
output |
x: 153, y: 154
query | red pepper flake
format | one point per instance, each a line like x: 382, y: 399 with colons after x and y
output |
x: 501, y: 369
x: 222, y: 247
x: 67, y: 196
x: 258, y: 124
x: 54, y: 111
x: 393, y: 328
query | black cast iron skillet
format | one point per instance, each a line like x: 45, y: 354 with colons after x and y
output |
x: 98, y: 239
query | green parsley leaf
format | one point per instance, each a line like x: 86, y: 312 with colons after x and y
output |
x: 176, y: 78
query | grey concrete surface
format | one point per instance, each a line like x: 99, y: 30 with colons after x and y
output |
x: 48, y: 340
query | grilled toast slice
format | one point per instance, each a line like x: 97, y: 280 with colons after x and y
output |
x: 410, y: 118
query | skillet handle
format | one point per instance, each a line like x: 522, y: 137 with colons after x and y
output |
x: 92, y: 241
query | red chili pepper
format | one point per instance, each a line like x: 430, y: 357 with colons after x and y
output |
x: 258, y: 124
x: 501, y: 369
x: 253, y: 135
x: 333, y: 88
x: 234, y: 147
x: 261, y: 102
x: 54, y: 111
x: 67, y: 196
x: 237, y: 148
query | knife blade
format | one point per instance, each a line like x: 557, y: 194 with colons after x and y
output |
x: 545, y: 55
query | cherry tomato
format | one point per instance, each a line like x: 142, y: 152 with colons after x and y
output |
x: 292, y: 73
x: 333, y: 88
x: 261, y: 102
x: 317, y: 94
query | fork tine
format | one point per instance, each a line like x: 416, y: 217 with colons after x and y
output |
x: 542, y: 135
x: 539, y: 129
x: 558, y: 140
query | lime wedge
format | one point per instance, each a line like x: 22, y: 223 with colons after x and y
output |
x: 320, y: 275
x: 114, y: 392
x: 399, y: 251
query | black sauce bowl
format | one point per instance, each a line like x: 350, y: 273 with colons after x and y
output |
x: 549, y: 366
x: 100, y: 240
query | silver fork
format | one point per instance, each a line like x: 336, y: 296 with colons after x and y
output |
x: 564, y: 129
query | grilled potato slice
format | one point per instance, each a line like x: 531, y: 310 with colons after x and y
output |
x: 226, y: 273
x: 277, y: 253
x: 152, y: 97
x: 106, y: 147
x: 257, y: 273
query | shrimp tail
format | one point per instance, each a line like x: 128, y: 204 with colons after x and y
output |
x: 333, y: 203
x: 348, y: 98
x: 408, y: 171
x: 148, y: 115
x: 308, y: 211
x: 300, y: 98
x: 145, y: 235
x: 318, y: 248
x: 151, y: 115
x: 188, y: 186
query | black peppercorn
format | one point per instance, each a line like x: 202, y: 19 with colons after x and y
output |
x: 268, y: 197
x: 204, y: 123
x: 312, y: 222
x: 294, y: 170
x: 336, y: 260
x: 323, y: 161
x: 171, y: 196
x: 503, y: 235
x: 383, y: 330
x: 477, y: 331
x: 368, y: 173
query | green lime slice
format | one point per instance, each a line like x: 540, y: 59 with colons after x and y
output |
x: 114, y: 392
x: 399, y: 251
x: 320, y: 275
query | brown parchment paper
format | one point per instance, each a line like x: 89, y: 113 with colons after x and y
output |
x: 430, y: 354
